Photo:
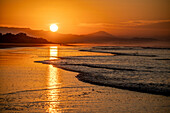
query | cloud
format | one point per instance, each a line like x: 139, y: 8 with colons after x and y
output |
x: 142, y: 22
x: 154, y: 24
x: 102, y: 25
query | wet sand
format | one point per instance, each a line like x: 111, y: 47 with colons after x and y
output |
x: 26, y: 86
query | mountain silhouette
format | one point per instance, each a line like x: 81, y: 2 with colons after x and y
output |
x: 97, y: 37
x: 55, y: 37
x: 20, y: 38
x: 100, y: 34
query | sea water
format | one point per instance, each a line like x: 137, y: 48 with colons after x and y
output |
x: 27, y: 85
x: 142, y: 69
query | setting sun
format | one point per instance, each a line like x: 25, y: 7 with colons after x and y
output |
x: 53, y: 27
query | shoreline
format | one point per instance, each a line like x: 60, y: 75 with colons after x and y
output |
x: 13, y: 45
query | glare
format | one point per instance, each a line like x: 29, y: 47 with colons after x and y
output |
x: 53, y: 27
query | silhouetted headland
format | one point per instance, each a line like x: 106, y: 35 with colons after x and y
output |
x: 19, y: 40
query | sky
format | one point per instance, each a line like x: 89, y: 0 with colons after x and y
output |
x: 119, y: 17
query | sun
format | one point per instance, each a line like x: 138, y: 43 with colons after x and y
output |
x: 53, y: 27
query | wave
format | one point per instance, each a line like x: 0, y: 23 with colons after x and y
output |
x: 126, y: 48
x: 117, y: 53
x: 142, y: 72
x: 153, y: 88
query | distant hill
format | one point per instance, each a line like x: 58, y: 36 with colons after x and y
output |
x: 20, y: 38
x: 97, y: 37
x: 48, y: 35
x: 100, y: 34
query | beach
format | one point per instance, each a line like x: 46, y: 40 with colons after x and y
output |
x: 41, y: 79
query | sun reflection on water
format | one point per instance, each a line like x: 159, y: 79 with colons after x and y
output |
x: 53, y: 82
x: 53, y: 52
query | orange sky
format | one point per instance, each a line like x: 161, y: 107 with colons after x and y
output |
x: 120, y: 17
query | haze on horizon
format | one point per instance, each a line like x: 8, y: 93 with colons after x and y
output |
x: 121, y: 17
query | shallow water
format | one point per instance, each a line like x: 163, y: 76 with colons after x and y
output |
x: 28, y: 86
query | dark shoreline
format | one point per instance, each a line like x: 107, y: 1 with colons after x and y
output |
x: 12, y: 45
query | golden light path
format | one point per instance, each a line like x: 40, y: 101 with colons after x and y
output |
x: 53, y: 82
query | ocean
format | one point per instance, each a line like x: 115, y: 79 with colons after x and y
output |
x: 142, y: 69
x: 84, y: 78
